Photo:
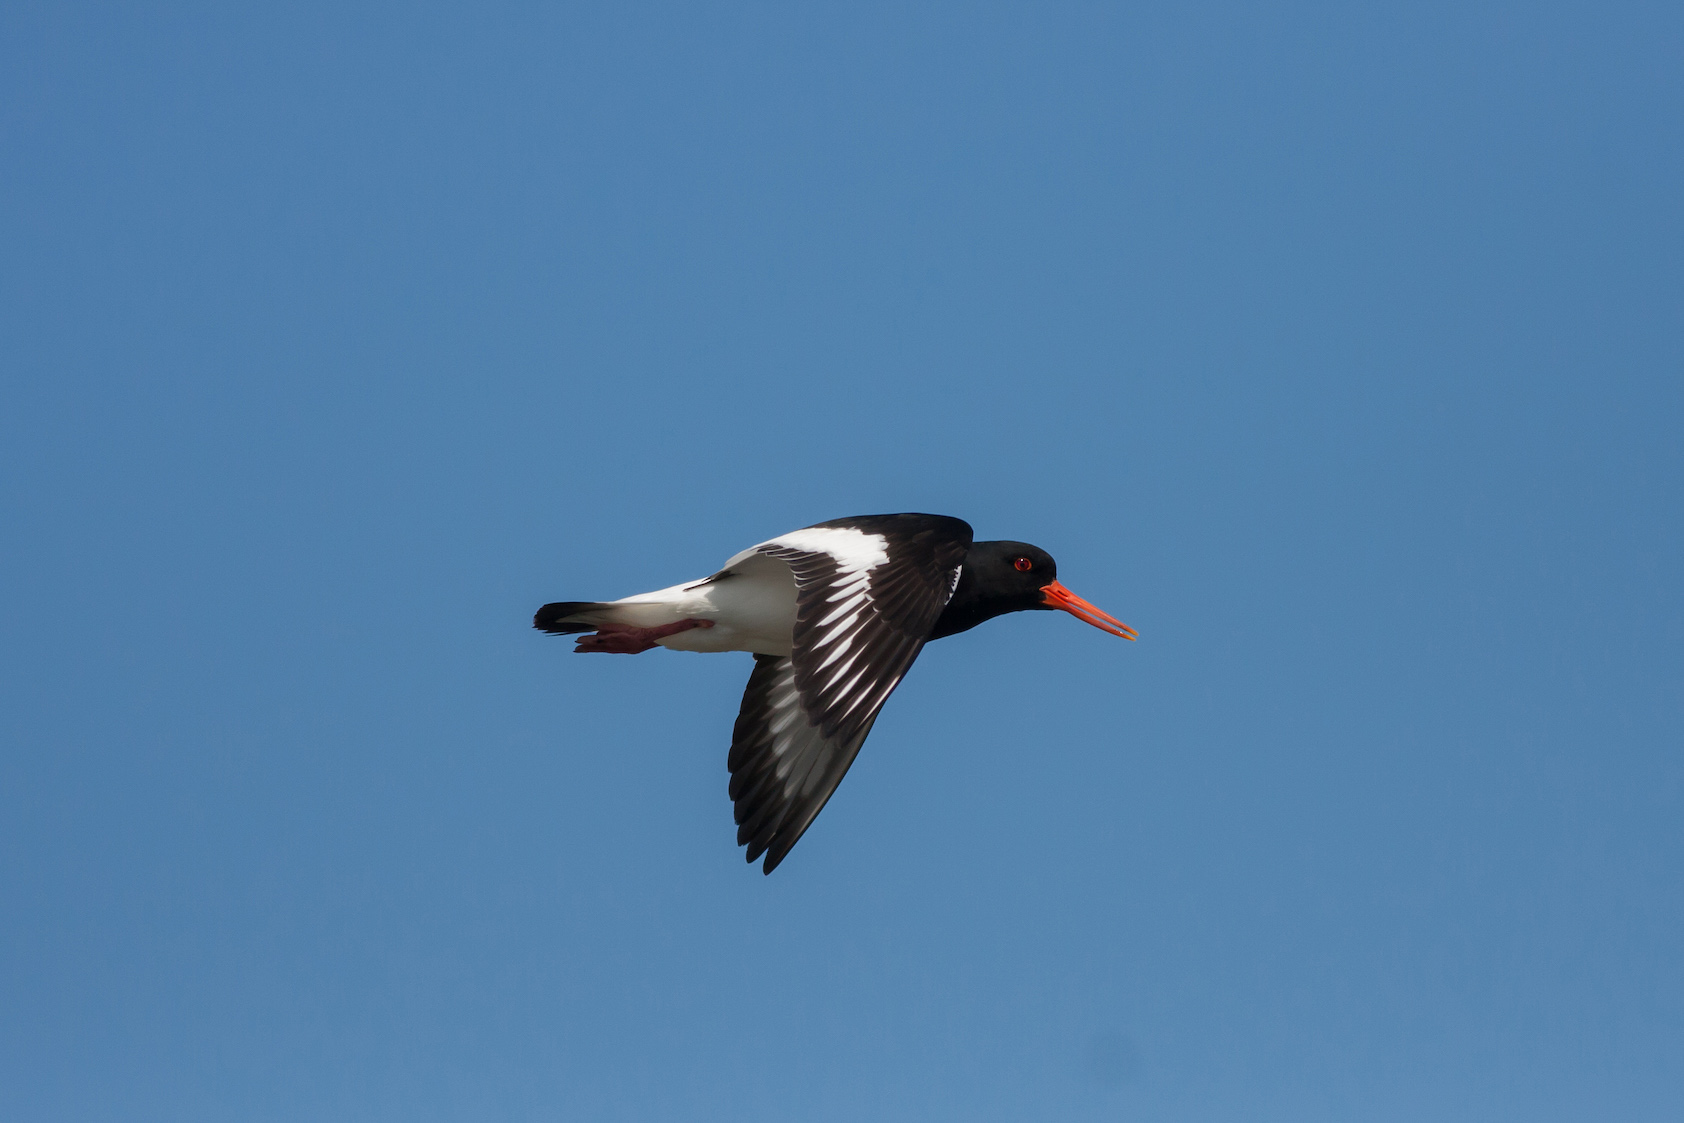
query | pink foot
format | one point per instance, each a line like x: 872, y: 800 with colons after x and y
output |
x: 625, y: 639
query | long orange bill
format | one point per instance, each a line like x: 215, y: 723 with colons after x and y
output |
x: 1060, y: 597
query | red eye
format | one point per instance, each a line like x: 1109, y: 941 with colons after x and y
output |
x: 1023, y: 565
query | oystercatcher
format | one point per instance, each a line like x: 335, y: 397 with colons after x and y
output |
x: 834, y: 615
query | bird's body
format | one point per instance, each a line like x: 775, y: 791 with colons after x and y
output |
x: 754, y: 611
x: 834, y: 615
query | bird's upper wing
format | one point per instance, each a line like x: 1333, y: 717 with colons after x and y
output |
x: 868, y: 593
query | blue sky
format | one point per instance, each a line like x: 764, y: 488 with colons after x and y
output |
x: 1336, y: 349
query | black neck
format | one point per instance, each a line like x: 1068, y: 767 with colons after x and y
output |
x: 973, y: 604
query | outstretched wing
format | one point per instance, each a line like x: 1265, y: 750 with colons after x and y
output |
x: 868, y: 593
x: 783, y: 768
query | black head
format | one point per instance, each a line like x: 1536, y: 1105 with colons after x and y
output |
x: 1002, y: 577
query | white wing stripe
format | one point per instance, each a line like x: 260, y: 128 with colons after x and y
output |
x: 853, y: 549
x: 846, y: 690
x: 843, y: 609
x: 850, y: 627
x: 841, y: 632
x: 871, y: 699
x: 839, y: 650
x: 849, y: 586
x: 839, y: 673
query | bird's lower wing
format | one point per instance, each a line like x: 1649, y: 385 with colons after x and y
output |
x: 783, y: 768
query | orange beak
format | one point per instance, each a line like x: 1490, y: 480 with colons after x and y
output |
x: 1057, y: 596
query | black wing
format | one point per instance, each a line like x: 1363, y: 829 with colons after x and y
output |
x: 868, y: 593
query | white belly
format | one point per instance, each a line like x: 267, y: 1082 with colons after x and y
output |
x: 752, y: 609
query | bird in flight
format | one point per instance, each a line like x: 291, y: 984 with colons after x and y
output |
x: 834, y: 615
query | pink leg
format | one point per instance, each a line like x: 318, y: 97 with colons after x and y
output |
x: 625, y: 639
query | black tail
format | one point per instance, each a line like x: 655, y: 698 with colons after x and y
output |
x: 552, y: 618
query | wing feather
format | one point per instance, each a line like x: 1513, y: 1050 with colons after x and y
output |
x: 868, y: 593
